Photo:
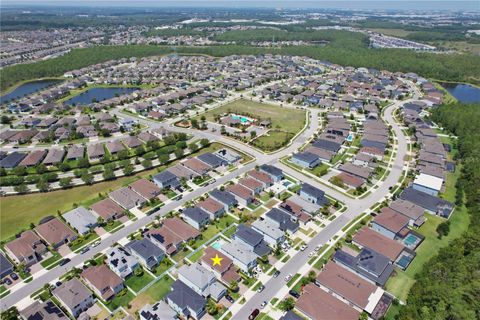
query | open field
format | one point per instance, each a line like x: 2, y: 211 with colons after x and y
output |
x: 393, y: 32
x: 286, y: 122
x: 17, y: 212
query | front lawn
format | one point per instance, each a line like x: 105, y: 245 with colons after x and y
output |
x: 120, y: 300
x: 52, y: 260
x: 136, y: 283
x: 84, y: 240
x: 112, y: 225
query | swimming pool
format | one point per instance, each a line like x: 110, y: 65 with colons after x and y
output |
x: 350, y: 138
x: 410, y: 240
x: 242, y: 119
x: 217, y: 245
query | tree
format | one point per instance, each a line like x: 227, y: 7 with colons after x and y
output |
x: 21, y: 188
x: 20, y: 171
x: 147, y: 163
x: 41, y: 168
x: 287, y: 304
x: 194, y: 123
x: 139, y: 150
x: 65, y: 182
x: 163, y: 158
x: 211, y: 307
x: 128, y: 170
x: 253, y: 134
x: 42, y: 185
x: 193, y: 147
x: 64, y: 167
x: 108, y: 174
x: 87, y: 178
x: 443, y: 229
x: 122, y: 154
x: 204, y: 142
x: 83, y: 163
x: 363, y: 316
x: 5, y: 120
x: 178, y: 153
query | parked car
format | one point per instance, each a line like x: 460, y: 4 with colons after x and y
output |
x: 230, y: 299
x: 58, y: 283
x: 254, y: 314
x: 96, y: 244
x: 64, y: 261
x: 276, y: 274
x: 264, y: 303
x: 7, y: 281
x: 84, y: 250
x: 14, y: 276
x: 288, y: 277
x: 303, y: 247
x: 311, y: 254
x: 261, y: 288
x: 294, y: 294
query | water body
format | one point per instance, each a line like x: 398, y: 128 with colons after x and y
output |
x: 99, y: 94
x: 465, y: 93
x: 28, y: 88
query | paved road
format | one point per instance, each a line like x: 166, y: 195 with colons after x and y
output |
x: 355, y: 208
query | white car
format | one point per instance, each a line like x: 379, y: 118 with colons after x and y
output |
x: 287, y: 278
x: 303, y: 247
x: 311, y: 254
x: 96, y: 244
x: 317, y: 248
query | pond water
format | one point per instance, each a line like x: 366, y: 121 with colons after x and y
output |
x: 99, y: 94
x: 28, y: 88
x: 465, y: 93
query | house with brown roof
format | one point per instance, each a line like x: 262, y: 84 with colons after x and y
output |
x: 349, y: 286
x: 127, y: 198
x: 172, y: 234
x: 114, y: 146
x: 390, y: 223
x: 75, y: 152
x: 369, y: 238
x: 55, y: 232
x: 107, y: 209
x: 351, y: 180
x: 95, y: 151
x: 145, y: 188
x: 226, y: 271
x: 54, y: 156
x: 33, y: 158
x: 261, y: 177
x: 296, y: 210
x: 317, y: 304
x: 26, y: 249
x: 132, y: 142
x: 252, y: 184
x: 360, y: 172
x: 197, y: 166
x: 413, y: 212
x: 212, y: 207
x: 103, y: 281
x: 243, y: 195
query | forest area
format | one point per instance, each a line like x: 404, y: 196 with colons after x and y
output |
x: 342, y: 49
x: 449, y: 285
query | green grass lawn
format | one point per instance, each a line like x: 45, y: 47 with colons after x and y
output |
x: 214, y: 229
x: 17, y: 212
x: 54, y: 258
x: 160, y: 288
x: 294, y: 278
x: 136, y: 283
x: 82, y: 241
x: 112, y: 225
x: 3, y: 291
x: 400, y: 284
x: 120, y: 301
x: 197, y: 255
x: 180, y: 255
x: 163, y: 266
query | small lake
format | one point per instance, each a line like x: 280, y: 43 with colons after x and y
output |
x: 464, y: 93
x: 99, y: 94
x: 28, y: 88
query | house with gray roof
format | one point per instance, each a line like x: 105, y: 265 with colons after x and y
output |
x: 127, y: 198
x: 74, y: 296
x: 225, y: 198
x: 313, y: 194
x: 81, y: 219
x: 430, y: 203
x: 146, y: 252
x: 12, y: 160
x: 185, y: 301
x: 212, y: 160
x: 327, y: 145
x: 6, y: 267
x: 228, y: 155
x: 275, y: 173
x: 42, y: 311
x: 252, y: 239
x: 54, y: 156
x: 95, y: 151
x: 241, y: 254
x: 75, y: 152
x: 270, y: 232
x: 195, y: 217
x: 166, y: 179
x: 306, y: 160
x: 202, y: 281
x: 282, y: 220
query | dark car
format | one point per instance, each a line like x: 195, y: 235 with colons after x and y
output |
x: 254, y: 314
x: 276, y: 274
x: 14, y: 276
x: 64, y: 261
x: 294, y: 294
x: 7, y: 281
x: 230, y: 299
x: 58, y: 283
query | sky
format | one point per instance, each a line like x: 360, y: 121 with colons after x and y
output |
x: 343, y: 4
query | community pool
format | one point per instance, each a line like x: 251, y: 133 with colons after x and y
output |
x: 242, y: 119
x: 350, y: 138
x: 217, y: 245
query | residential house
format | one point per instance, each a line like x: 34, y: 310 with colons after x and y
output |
x: 185, y: 301
x: 202, y: 281
x: 121, y: 262
x: 214, y: 208
x: 172, y: 234
x: 390, y: 223
x: 81, y: 219
x: 196, y: 217
x: 74, y: 296
x: 275, y: 173
x: 95, y: 151
x: 431, y: 204
x: 145, y: 251
x: 252, y: 184
x: 54, y: 156
x: 42, y: 311
x: 306, y: 160
x: 55, y: 232
x: 312, y: 194
x: 197, y: 166
x: 262, y: 177
x: 426, y: 183
x: 107, y: 209
x: 6, y: 267
x: 368, y: 238
x: 146, y: 189
x: 225, y: 271
x: 252, y: 239
x: 75, y: 152
x: 270, y: 232
x: 12, y: 160
x: 166, y: 179
x: 212, y: 160
x: 103, y: 281
x: 228, y: 155
x: 243, y: 195
x: 33, y: 158
x: 26, y: 249
x: 127, y: 198
x: 158, y: 311
x: 224, y: 197
x: 241, y: 254
x: 412, y: 211
x: 282, y: 220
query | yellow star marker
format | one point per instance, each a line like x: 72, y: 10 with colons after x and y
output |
x: 217, y: 260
